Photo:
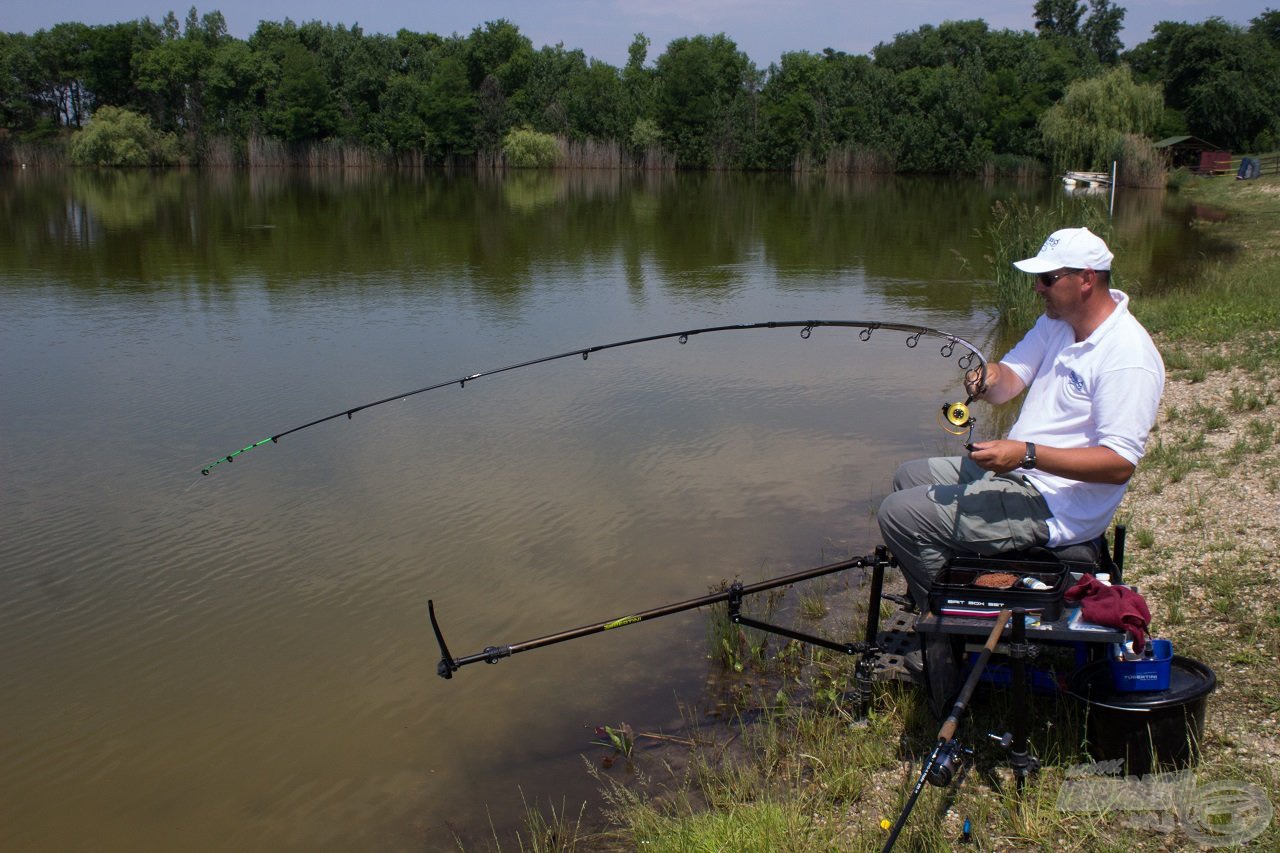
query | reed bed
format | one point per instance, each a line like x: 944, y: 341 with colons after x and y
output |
x: 592, y: 154
x: 1012, y: 166
x: 33, y: 155
x: 220, y: 152
x: 655, y: 158
x: 1017, y: 231
x: 1140, y: 164
x: 266, y: 151
x: 857, y: 160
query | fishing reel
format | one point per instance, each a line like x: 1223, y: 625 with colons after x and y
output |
x: 957, y: 419
x: 947, y: 762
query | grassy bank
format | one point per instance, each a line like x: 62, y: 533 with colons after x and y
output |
x: 801, y: 770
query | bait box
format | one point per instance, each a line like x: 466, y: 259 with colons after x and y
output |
x: 953, y: 592
x: 1145, y: 674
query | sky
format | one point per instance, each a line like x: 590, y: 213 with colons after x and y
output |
x: 603, y: 29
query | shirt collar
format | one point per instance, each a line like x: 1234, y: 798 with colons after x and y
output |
x: 1122, y: 307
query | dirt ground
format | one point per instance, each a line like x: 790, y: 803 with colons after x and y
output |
x: 1204, y: 529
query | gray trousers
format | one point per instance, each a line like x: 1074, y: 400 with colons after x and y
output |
x: 948, y: 505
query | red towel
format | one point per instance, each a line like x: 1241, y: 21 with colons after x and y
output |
x: 1113, y: 606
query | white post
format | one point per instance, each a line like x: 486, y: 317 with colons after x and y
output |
x: 1112, y: 212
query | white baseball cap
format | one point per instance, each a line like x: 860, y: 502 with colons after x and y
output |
x: 1069, y: 248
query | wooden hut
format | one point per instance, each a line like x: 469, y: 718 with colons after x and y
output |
x: 1195, y: 154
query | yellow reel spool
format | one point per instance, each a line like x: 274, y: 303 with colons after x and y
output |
x: 955, y: 418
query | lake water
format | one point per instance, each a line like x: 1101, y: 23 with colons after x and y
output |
x: 244, y: 660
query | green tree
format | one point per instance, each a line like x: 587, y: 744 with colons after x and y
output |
x: 947, y: 44
x: 451, y: 112
x: 1086, y: 129
x: 1150, y: 59
x: 703, y: 84
x: 1096, y: 38
x: 428, y: 106
x: 60, y: 53
x: 645, y: 134
x: 169, y: 27
x: 20, y: 109
x: 301, y: 108
x: 1217, y: 78
x: 401, y: 121
x: 637, y: 80
x: 857, y: 99
x: 499, y: 50
x: 1026, y: 75
x: 526, y: 148
x: 1058, y: 17
x: 542, y: 102
x: 416, y: 54
x: 170, y: 76
x: 1222, y: 78
x: 594, y: 104
x: 795, y: 122
x: 234, y: 89
x: 357, y: 68
x: 1017, y: 76
x: 118, y: 137
x: 171, y: 68
x: 114, y: 50
x: 210, y: 28
x: 365, y: 76
x: 1267, y: 25
x: 813, y: 103
x: 498, y: 61
x: 1102, y: 30
x: 935, y: 127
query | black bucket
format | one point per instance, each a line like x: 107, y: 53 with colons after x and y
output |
x: 1159, y: 730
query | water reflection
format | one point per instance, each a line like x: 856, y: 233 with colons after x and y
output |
x: 339, y: 229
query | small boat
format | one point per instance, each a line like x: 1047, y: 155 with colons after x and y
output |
x: 1087, y: 179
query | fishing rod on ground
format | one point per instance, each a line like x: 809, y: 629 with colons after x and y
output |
x: 732, y: 597
x: 954, y: 417
x: 946, y: 762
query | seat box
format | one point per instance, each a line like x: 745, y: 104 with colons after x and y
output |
x: 1039, y: 588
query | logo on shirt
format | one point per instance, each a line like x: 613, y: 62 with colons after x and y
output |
x: 1076, y: 382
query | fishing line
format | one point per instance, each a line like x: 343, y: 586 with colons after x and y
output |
x: 956, y: 414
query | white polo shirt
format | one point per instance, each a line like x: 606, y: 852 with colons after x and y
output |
x: 1104, y: 390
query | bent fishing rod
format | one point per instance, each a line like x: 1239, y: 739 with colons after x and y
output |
x: 733, y: 596
x: 954, y: 417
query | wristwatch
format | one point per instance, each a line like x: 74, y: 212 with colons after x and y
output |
x: 1029, y: 461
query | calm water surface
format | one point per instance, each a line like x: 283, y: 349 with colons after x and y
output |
x: 244, y: 661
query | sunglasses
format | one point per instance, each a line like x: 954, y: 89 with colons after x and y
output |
x: 1049, y: 279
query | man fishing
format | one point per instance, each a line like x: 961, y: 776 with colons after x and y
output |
x: 1094, y: 381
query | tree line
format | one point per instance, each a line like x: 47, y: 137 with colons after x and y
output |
x: 958, y: 97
